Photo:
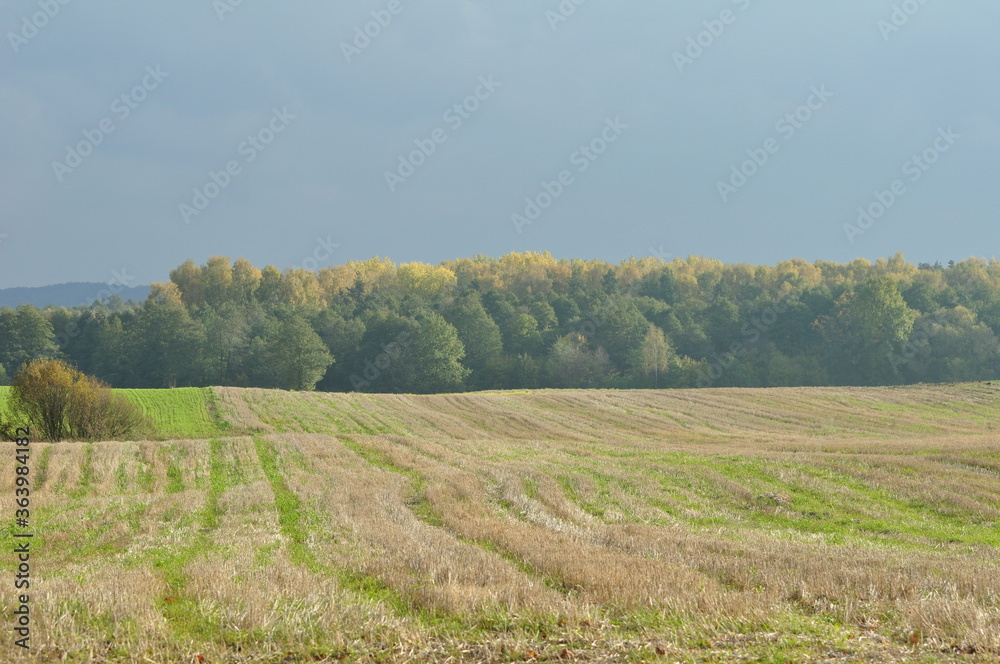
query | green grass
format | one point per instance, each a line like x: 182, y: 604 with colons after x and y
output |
x: 289, y: 507
x: 4, y: 415
x: 42, y: 471
x: 182, y: 610
x: 86, y: 474
x: 180, y: 413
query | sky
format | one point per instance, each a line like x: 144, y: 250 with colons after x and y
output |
x: 138, y: 135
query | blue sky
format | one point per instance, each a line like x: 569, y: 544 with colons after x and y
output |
x: 743, y: 130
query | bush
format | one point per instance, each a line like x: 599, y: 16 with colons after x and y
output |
x: 61, y: 402
x: 97, y: 413
x: 8, y: 431
x: 40, y: 392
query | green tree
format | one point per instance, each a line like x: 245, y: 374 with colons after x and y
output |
x: 40, y: 393
x: 652, y: 359
x: 566, y: 309
x: 217, y: 280
x: 78, y: 333
x: 525, y: 337
x: 793, y: 331
x: 785, y: 371
x: 573, y: 364
x: 920, y: 295
x: 723, y: 323
x: 432, y: 362
x: 111, y: 351
x: 227, y: 343
x: 166, y: 344
x: 294, y: 356
x: 525, y: 372
x: 246, y: 280
x: 270, y: 289
x: 188, y: 278
x: 25, y: 335
x: 479, y: 334
x: 420, y: 355
x: 343, y: 337
x: 868, y: 326
x: 620, y: 328
x: 949, y: 346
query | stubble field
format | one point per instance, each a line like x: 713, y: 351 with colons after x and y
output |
x: 777, y: 525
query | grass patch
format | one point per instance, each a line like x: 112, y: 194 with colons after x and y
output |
x: 289, y: 507
x: 180, y: 413
x: 182, y: 610
x: 86, y: 474
x: 175, y: 477
x: 42, y: 471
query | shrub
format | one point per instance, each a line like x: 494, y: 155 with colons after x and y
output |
x: 97, y: 413
x: 61, y: 402
x: 8, y: 431
x: 40, y: 392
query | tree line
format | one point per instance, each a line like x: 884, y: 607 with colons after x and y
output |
x: 528, y: 320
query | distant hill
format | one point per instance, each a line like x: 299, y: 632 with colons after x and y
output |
x: 68, y: 295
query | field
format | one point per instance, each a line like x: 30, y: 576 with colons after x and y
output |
x: 781, y: 525
x: 185, y: 412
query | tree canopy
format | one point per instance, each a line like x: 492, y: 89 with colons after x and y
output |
x: 531, y: 320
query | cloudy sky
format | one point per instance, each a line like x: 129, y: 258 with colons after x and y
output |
x: 137, y: 135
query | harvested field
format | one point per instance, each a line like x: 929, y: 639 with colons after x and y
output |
x: 822, y: 524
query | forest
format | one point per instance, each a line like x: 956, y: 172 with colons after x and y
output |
x: 529, y: 320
